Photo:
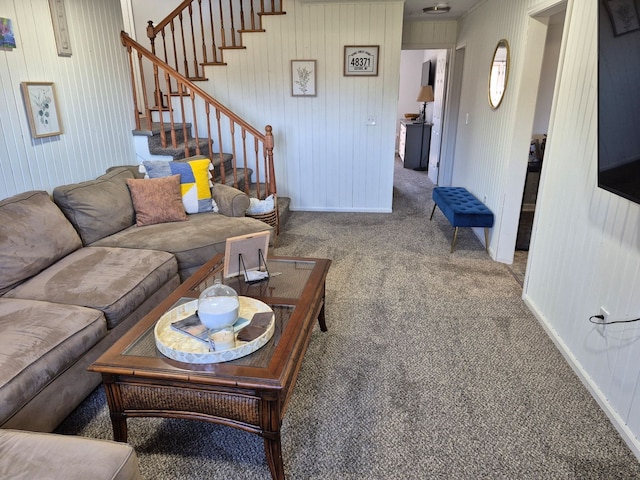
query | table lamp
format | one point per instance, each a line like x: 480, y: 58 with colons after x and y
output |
x: 425, y: 96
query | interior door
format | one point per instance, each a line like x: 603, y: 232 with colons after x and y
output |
x: 438, y: 110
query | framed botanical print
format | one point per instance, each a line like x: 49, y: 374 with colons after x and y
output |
x: 303, y: 78
x: 42, y: 109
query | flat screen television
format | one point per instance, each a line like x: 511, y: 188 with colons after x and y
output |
x: 427, y: 74
x: 619, y: 99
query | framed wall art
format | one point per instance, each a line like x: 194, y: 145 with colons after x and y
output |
x: 42, y: 109
x: 361, y: 61
x: 303, y: 78
x: 7, y: 37
x: 624, y: 16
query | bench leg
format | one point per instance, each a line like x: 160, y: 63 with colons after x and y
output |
x: 432, y: 212
x: 486, y: 239
x: 455, y: 237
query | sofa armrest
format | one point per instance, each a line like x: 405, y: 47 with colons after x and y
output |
x: 231, y: 201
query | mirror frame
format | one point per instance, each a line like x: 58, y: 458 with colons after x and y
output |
x: 501, y: 43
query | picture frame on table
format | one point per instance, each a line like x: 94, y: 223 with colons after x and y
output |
x: 303, y: 78
x: 42, y: 109
x: 623, y: 15
x: 246, y: 253
x: 361, y: 60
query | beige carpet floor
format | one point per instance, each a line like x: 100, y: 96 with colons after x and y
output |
x: 432, y: 368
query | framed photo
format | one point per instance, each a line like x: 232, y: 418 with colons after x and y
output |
x: 624, y: 16
x: 303, y: 78
x: 252, y: 247
x: 361, y: 61
x: 60, y: 28
x: 42, y: 109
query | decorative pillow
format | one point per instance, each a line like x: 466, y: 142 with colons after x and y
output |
x: 157, y: 200
x: 195, y: 183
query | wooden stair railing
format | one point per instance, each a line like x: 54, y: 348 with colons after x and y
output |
x: 196, y: 32
x: 247, y: 144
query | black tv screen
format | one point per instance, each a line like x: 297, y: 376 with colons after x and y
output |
x: 619, y: 98
x: 427, y: 73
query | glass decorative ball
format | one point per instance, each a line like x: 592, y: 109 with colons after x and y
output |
x: 218, y: 306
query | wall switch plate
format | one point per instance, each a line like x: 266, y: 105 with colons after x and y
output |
x: 371, y: 120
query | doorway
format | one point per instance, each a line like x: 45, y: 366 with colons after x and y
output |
x: 554, y: 21
x: 540, y: 128
x: 417, y: 68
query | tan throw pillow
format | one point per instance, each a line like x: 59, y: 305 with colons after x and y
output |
x: 157, y: 200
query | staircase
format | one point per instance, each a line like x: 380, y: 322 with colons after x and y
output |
x: 170, y: 108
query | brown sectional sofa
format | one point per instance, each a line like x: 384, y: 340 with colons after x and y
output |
x: 76, y: 273
x: 31, y: 455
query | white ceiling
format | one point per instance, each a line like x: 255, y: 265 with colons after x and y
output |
x: 413, y: 9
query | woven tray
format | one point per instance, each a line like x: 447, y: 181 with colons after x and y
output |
x: 181, y: 347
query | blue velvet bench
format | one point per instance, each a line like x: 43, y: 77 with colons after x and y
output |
x: 462, y: 210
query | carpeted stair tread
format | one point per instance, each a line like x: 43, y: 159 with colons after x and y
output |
x: 178, y: 153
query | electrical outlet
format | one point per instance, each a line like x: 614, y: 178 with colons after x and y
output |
x: 605, y: 314
x: 371, y: 120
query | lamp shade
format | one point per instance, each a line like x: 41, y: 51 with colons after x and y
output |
x: 426, y: 94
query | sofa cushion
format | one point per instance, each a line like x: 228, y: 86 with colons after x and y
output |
x: 34, y: 234
x: 30, y: 455
x: 39, y: 341
x: 115, y: 281
x: 157, y: 200
x: 193, y: 243
x: 195, y: 181
x: 99, y: 207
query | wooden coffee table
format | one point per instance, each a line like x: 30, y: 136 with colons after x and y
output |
x: 250, y: 393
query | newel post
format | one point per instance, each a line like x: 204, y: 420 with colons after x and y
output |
x: 268, y: 146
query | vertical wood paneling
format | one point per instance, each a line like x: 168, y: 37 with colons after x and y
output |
x: 92, y: 90
x: 429, y: 34
x: 585, y: 251
x: 326, y: 156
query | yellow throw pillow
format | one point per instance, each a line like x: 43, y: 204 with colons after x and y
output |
x: 195, y: 183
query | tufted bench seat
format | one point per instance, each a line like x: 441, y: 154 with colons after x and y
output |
x: 462, y: 209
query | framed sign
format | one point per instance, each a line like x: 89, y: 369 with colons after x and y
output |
x: 303, y: 78
x: 42, y: 109
x: 361, y: 61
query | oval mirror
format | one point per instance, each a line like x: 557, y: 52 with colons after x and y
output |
x: 499, y: 73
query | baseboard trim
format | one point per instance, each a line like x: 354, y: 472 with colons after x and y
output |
x: 619, y: 424
x: 341, y: 210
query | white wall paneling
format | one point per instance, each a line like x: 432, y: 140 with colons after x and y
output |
x: 326, y: 157
x: 585, y: 248
x: 585, y: 251
x: 93, y: 94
